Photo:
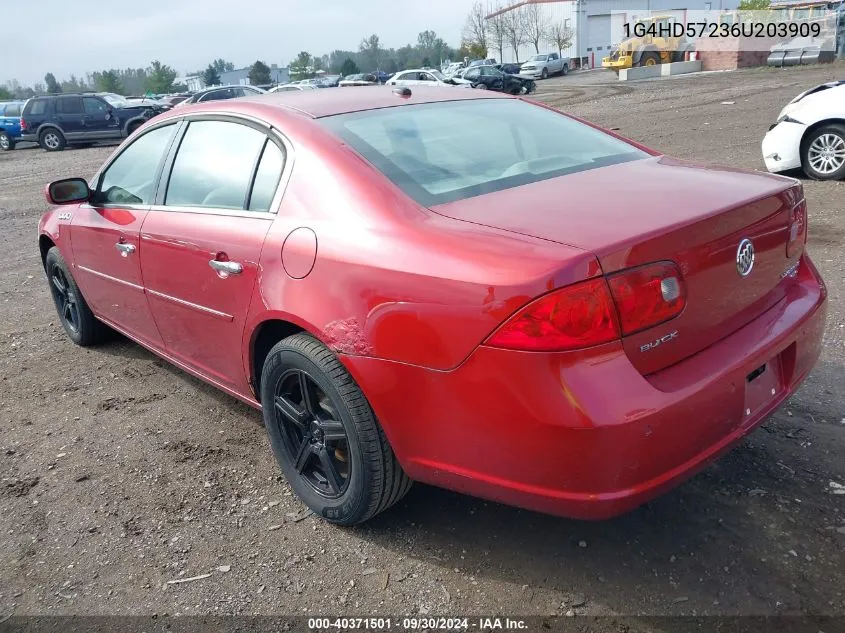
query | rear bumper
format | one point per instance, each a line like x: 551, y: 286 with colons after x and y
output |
x: 584, y: 434
x: 782, y: 146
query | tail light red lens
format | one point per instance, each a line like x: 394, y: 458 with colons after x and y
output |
x: 581, y: 315
x: 647, y: 296
x: 23, y: 124
x: 797, y: 230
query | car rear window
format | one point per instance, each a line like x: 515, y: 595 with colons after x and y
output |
x: 442, y: 152
x: 35, y: 107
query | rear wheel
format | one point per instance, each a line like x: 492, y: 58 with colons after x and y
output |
x: 565, y: 70
x: 649, y: 58
x: 52, y: 140
x: 823, y: 153
x: 76, y: 317
x: 325, y: 436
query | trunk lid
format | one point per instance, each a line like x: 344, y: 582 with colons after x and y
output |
x: 663, y: 209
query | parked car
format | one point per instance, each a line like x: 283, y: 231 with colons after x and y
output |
x: 56, y: 121
x: 491, y: 78
x: 452, y: 68
x: 544, y: 65
x: 810, y: 134
x: 292, y: 88
x: 329, y: 81
x: 361, y: 79
x: 173, y: 100
x: 511, y: 69
x: 548, y: 357
x: 421, y: 77
x: 10, y: 124
x: 482, y: 62
x: 219, y: 93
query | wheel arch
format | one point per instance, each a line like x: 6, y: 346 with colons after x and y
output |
x: 45, y: 243
x: 263, y: 336
x: 645, y: 48
x: 133, y: 124
x: 815, y: 126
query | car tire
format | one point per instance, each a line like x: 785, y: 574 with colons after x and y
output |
x: 82, y: 327
x: 544, y: 74
x: 52, y: 140
x: 7, y: 144
x: 823, y: 153
x: 480, y: 86
x: 565, y: 71
x: 330, y: 447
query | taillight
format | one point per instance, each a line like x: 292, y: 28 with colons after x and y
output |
x: 647, y: 296
x: 576, y: 316
x: 23, y: 124
x: 797, y: 230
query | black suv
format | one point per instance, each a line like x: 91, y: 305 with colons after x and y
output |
x: 55, y: 121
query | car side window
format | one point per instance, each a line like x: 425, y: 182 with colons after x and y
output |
x: 130, y: 179
x: 214, y: 165
x: 472, y: 74
x: 69, y: 105
x: 13, y: 109
x: 267, y: 177
x: 94, y: 106
x: 36, y: 107
x: 426, y: 77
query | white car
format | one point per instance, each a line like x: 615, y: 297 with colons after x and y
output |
x: 809, y: 134
x: 293, y: 87
x: 421, y: 77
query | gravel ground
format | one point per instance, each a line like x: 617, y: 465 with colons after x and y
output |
x: 119, y: 473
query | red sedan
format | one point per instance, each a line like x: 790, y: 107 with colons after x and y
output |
x: 455, y: 287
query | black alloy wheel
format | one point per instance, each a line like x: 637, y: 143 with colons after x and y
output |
x: 312, y: 434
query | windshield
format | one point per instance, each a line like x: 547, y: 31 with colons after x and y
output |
x: 116, y: 100
x: 437, y: 74
x: 442, y: 152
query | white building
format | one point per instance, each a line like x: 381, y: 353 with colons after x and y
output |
x: 596, y: 25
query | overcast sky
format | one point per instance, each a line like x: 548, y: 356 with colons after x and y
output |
x: 79, y: 36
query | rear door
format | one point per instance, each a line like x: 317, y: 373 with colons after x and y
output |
x: 201, y: 243
x: 105, y: 235
x: 70, y: 116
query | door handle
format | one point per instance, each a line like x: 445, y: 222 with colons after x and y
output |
x: 224, y: 269
x: 125, y: 249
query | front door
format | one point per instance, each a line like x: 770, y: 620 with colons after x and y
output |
x: 201, y: 243
x: 99, y: 121
x: 105, y: 236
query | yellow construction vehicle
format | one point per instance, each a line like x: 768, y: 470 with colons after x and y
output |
x: 651, y: 41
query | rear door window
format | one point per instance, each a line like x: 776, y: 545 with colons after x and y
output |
x: 69, y: 105
x: 214, y: 165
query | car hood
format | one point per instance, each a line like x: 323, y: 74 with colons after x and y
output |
x: 833, y: 91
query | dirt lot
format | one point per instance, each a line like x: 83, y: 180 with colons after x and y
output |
x: 120, y: 472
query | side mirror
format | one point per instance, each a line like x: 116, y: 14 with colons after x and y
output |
x: 67, y: 191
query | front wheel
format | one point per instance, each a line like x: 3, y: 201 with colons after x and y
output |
x: 76, y: 317
x: 544, y: 74
x: 649, y: 58
x: 325, y: 436
x: 823, y: 153
x: 6, y: 142
x: 480, y: 86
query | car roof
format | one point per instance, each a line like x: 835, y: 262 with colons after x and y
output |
x: 322, y: 103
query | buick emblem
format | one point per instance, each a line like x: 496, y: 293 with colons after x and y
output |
x: 745, y: 258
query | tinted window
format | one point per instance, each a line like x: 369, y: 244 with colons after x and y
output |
x: 214, y: 165
x: 130, y: 179
x: 69, y: 105
x: 13, y: 109
x: 441, y: 152
x: 267, y: 178
x: 35, y: 107
x: 94, y: 106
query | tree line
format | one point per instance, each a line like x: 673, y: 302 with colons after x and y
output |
x: 159, y: 78
x: 492, y: 29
